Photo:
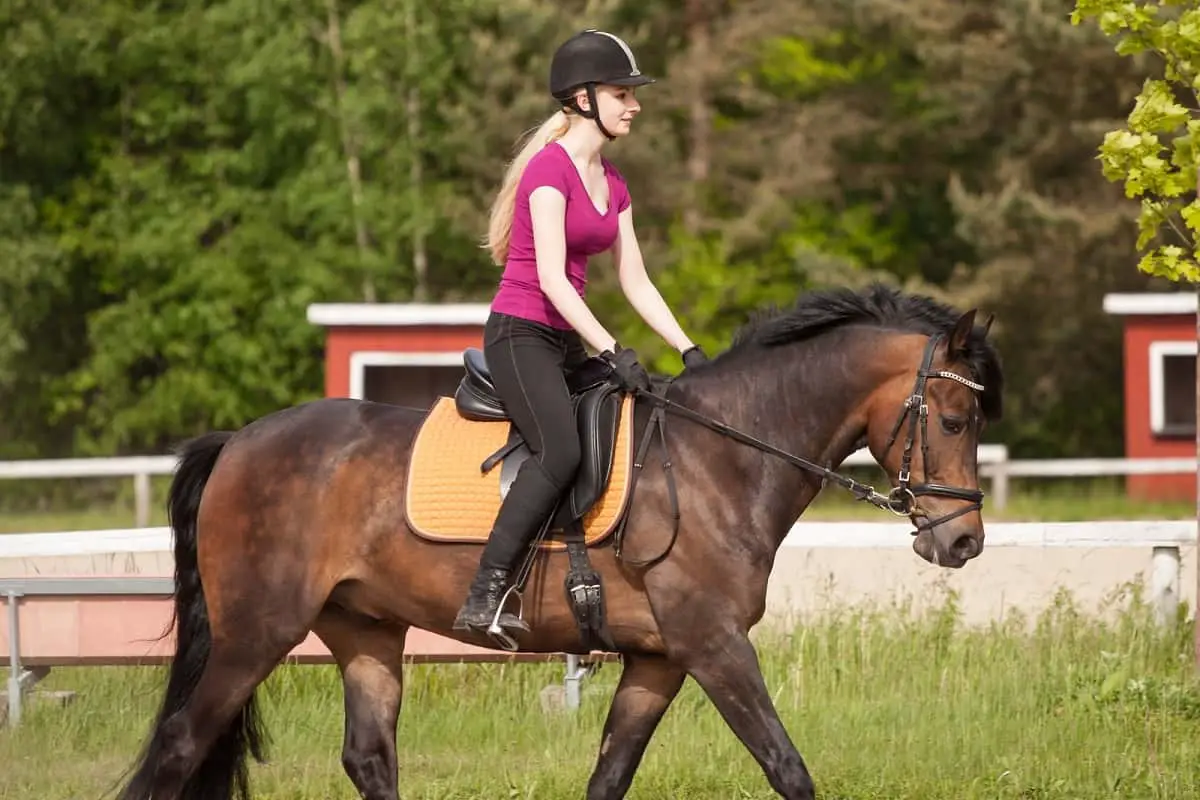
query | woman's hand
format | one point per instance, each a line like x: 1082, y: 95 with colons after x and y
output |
x: 630, y: 374
x: 694, y: 356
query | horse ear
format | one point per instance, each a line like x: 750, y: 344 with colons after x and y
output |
x: 987, y: 325
x: 962, y: 329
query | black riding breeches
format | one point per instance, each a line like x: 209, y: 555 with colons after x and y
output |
x: 528, y: 362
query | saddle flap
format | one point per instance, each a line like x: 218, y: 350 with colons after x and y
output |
x: 597, y: 417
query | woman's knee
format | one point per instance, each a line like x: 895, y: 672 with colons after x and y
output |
x: 560, y: 459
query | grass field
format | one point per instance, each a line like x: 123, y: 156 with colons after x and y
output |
x: 882, y: 704
x: 1059, y: 499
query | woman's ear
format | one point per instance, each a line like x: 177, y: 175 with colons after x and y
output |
x: 581, y: 100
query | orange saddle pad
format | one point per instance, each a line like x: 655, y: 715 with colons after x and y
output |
x: 450, y: 499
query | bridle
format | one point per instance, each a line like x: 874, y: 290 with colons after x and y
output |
x: 900, y: 500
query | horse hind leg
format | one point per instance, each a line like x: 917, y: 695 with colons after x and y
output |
x: 227, y: 640
x: 198, y: 751
x: 369, y: 655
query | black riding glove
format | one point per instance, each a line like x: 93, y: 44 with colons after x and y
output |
x: 630, y: 374
x: 694, y: 356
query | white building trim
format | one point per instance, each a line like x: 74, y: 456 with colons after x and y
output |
x: 361, y: 359
x: 1159, y: 351
x: 1150, y: 303
x: 397, y: 314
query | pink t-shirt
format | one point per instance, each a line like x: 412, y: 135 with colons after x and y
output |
x: 588, y: 232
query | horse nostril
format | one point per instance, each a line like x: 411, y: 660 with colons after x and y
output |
x: 964, y: 547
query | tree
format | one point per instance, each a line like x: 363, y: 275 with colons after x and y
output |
x: 170, y: 206
x: 982, y: 172
x: 1155, y: 154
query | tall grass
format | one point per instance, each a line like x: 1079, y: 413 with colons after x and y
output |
x: 883, y: 703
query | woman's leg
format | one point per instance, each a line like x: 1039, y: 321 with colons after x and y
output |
x: 526, y: 361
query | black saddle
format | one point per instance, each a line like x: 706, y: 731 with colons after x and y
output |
x: 597, y: 403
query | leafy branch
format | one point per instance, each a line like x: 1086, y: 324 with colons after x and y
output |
x: 1155, y: 156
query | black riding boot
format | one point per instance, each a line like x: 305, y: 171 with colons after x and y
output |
x: 530, y: 498
x: 487, y: 590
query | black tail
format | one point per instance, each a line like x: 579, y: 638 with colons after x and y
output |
x: 225, y: 768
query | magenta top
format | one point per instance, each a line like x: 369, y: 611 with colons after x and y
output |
x: 588, y: 232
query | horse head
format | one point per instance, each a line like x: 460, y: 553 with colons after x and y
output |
x: 910, y: 377
x: 924, y: 425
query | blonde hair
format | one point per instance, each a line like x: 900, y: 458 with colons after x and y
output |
x: 500, y: 219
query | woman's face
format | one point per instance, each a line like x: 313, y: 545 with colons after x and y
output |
x: 617, y: 105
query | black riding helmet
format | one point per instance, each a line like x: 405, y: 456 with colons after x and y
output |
x: 588, y: 58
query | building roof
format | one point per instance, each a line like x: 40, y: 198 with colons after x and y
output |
x: 1155, y: 303
x: 397, y: 314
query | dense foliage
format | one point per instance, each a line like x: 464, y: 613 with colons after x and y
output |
x: 179, y: 180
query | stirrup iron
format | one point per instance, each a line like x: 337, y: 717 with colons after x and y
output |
x: 499, y: 634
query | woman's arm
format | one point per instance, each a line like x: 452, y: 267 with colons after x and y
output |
x: 547, y: 210
x: 640, y: 290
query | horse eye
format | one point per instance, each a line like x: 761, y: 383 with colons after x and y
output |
x: 953, y: 425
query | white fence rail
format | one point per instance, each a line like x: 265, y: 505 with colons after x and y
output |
x: 1165, y: 539
x: 140, y: 468
x: 994, y: 465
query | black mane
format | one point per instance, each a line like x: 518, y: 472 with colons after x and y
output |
x: 878, y: 306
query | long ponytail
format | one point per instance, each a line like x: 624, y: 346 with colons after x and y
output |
x: 500, y: 220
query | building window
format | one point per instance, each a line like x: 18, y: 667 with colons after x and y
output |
x: 415, y: 387
x: 406, y: 379
x: 1173, y: 389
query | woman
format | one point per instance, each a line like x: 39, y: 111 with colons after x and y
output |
x: 560, y: 203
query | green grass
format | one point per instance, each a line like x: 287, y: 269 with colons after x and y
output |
x: 76, y: 504
x: 882, y: 704
x: 85, y: 520
x: 1060, y: 499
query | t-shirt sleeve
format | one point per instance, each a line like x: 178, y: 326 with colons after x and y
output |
x: 544, y: 170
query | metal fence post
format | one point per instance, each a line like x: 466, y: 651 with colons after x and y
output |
x: 14, y: 659
x: 574, y: 675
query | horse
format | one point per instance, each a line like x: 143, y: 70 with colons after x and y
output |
x: 338, y: 516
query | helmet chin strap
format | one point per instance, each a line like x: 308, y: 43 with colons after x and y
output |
x: 594, y: 112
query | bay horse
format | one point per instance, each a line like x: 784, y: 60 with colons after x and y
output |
x: 303, y: 521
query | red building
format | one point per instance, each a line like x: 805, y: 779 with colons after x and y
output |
x: 402, y: 353
x: 1160, y: 386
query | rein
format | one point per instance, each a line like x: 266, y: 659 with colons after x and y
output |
x: 901, y: 500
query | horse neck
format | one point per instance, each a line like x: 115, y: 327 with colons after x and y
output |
x: 808, y: 398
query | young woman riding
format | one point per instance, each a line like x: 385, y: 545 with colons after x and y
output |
x: 560, y: 203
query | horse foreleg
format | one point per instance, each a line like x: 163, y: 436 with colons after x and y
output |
x: 648, y: 685
x: 370, y: 657
x: 727, y: 669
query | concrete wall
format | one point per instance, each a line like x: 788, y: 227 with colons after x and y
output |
x: 1002, y: 579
